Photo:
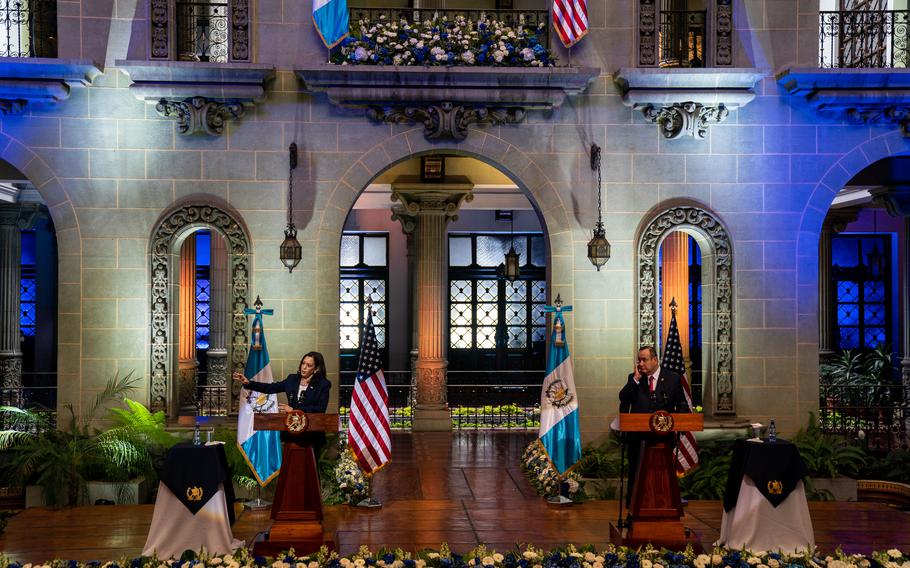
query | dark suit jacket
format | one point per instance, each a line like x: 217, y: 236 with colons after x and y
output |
x: 668, y: 394
x: 315, y: 398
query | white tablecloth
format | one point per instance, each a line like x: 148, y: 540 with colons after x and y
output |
x: 175, y: 529
x: 757, y: 525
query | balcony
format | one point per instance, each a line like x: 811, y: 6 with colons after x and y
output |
x: 864, y: 39
x: 28, y: 28
x: 536, y: 22
x: 681, y: 40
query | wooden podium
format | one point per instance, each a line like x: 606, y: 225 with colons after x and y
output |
x: 297, y: 508
x: 656, y: 505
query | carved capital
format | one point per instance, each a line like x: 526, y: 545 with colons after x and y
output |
x: 684, y: 119
x: 11, y: 379
x: 199, y: 114
x: 446, y: 119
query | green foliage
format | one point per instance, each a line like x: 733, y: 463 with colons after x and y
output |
x: 861, y: 369
x: 826, y: 455
x: 708, y: 480
x: 602, y: 461
x: 894, y: 466
x: 63, y: 460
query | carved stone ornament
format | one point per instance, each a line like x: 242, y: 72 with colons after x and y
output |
x: 12, y: 106
x: 721, y: 342
x: 723, y: 33
x: 431, y: 389
x: 647, y: 37
x: 685, y: 119
x: 11, y: 378
x: 158, y: 21
x: 164, y: 272
x: 199, y: 114
x: 240, y: 30
x: 446, y: 119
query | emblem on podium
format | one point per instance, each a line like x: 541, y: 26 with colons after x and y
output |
x: 661, y: 422
x: 295, y: 421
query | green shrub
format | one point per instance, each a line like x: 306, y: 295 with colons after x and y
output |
x: 826, y: 455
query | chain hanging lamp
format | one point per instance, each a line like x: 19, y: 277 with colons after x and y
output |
x: 598, y: 246
x: 291, y: 250
x: 512, y: 269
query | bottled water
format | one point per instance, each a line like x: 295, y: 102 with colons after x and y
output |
x: 772, y: 432
x: 197, y: 440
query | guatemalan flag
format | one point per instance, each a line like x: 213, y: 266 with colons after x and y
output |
x: 262, y: 449
x: 559, y: 432
x: 331, y: 20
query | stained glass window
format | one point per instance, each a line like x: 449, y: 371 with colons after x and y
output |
x: 862, y: 292
x: 364, y: 278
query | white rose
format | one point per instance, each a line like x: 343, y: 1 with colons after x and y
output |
x: 488, y: 561
x: 645, y: 563
x: 530, y: 555
x: 215, y: 561
x: 773, y: 563
x: 753, y: 560
x: 894, y: 553
x: 589, y: 556
x: 716, y: 559
x: 498, y: 557
x: 313, y: 564
x: 433, y: 555
x: 412, y: 41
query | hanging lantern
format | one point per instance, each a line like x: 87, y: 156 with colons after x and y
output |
x: 598, y: 246
x: 512, y: 269
x: 876, y: 260
x: 291, y: 251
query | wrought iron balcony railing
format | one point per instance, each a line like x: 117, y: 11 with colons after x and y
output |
x: 202, y: 31
x: 874, y: 413
x: 867, y: 39
x: 682, y: 38
x: 28, y: 28
x: 538, y: 20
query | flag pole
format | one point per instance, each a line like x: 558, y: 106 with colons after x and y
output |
x: 369, y: 502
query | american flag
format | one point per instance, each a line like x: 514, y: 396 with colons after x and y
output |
x: 368, y: 427
x: 687, y: 449
x: 570, y: 18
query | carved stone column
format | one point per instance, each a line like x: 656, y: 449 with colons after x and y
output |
x: 428, y: 208
x: 10, y: 275
x: 217, y: 353
x: 835, y: 222
x: 187, y: 324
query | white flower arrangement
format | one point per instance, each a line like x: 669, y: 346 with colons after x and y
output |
x: 443, y: 42
x: 353, y: 483
x: 542, y: 475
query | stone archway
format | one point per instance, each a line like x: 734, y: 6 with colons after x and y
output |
x: 717, y: 260
x: 164, y: 256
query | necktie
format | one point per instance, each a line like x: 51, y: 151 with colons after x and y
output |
x: 651, y: 383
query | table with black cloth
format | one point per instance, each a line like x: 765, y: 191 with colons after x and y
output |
x: 195, y: 504
x: 765, y: 504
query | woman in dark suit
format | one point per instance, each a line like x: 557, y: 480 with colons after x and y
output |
x: 307, y: 390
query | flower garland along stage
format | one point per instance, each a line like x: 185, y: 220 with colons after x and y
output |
x: 444, y: 42
x: 570, y: 557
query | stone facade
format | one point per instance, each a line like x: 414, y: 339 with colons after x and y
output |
x: 110, y: 167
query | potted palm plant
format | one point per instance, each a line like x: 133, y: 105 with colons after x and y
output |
x: 63, y: 460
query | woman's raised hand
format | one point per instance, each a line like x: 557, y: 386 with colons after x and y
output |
x: 238, y: 376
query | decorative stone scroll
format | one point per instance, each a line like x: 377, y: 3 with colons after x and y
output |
x: 685, y: 119
x: 199, y: 115
x: 720, y: 342
x: 446, y: 119
x: 163, y: 301
x: 240, y: 30
x: 158, y: 21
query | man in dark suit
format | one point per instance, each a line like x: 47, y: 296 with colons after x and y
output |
x: 649, y: 389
